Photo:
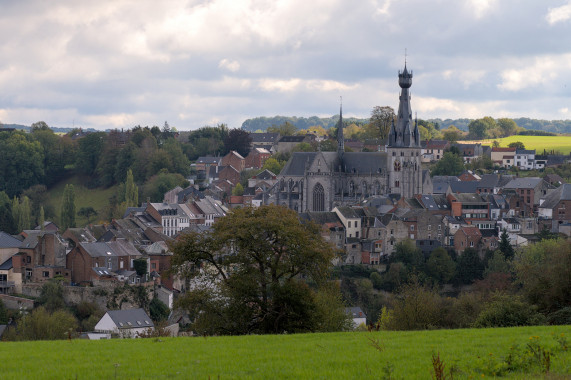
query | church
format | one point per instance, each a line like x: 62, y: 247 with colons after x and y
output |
x: 321, y: 181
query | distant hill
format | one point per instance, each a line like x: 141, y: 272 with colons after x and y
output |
x: 55, y: 129
x: 263, y: 122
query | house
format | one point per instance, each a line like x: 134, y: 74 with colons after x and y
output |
x: 256, y: 158
x: 525, y: 159
x: 530, y: 190
x: 266, y: 140
x: 554, y: 179
x: 492, y: 183
x: 503, y: 157
x: 467, y: 237
x: 125, y: 323
x: 42, y: 256
x: 287, y: 143
x: 357, y: 315
x: 555, y: 210
x: 112, y: 256
x: 229, y: 173
x: 469, y: 152
x: 172, y: 217
x: 433, y: 150
x: 10, y: 281
x: 355, y: 145
x: 469, y: 206
x: 233, y: 159
x: 204, y: 163
x: 264, y: 179
x: 48, y: 226
x: 9, y: 246
x: 351, y: 221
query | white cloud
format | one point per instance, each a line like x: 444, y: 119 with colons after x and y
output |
x: 481, y: 7
x: 542, y: 71
x: 229, y: 65
x: 559, y: 14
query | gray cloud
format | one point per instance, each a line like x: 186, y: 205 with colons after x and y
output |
x: 202, y: 62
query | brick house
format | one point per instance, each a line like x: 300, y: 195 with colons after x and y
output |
x: 433, y: 150
x: 256, y: 158
x: 112, y: 256
x: 467, y: 237
x: 469, y: 206
x: 233, y: 159
x: 229, y: 173
x: 41, y: 256
x: 556, y: 208
x: 529, y: 189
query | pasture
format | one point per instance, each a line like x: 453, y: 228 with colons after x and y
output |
x: 561, y: 144
x: 471, y: 353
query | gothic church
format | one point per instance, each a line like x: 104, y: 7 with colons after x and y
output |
x: 321, y: 181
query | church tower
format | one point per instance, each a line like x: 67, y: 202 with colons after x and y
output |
x: 405, y: 172
x: 340, y: 137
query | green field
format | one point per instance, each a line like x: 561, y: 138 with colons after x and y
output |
x: 561, y: 144
x: 406, y: 355
x: 84, y: 197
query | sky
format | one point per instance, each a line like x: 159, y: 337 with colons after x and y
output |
x: 121, y: 63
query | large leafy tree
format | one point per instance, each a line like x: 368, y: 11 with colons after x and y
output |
x: 90, y: 149
x: 382, y: 118
x: 251, y: 272
x: 238, y: 140
x: 449, y: 164
x: 21, y: 162
x: 483, y: 128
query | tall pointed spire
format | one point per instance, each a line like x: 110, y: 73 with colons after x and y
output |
x: 404, y: 133
x: 340, y: 138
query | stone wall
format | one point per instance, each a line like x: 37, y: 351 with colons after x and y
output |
x: 17, y: 303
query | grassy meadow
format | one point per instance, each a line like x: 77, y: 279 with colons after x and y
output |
x: 84, y: 197
x: 560, y: 144
x: 473, y: 353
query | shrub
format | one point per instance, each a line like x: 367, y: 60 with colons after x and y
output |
x: 560, y: 317
x: 508, y: 311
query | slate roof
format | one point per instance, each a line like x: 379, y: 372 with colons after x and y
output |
x: 285, y: 139
x: 208, y: 160
x: 264, y: 137
x: 562, y: 193
x: 8, y: 241
x: 266, y: 174
x: 464, y: 186
x: 440, y: 187
x: 321, y: 218
x: 470, y: 198
x: 6, y: 265
x: 349, y: 212
x: 111, y: 248
x: 355, y: 312
x: 523, y: 183
x: 131, y: 318
x: 434, y: 202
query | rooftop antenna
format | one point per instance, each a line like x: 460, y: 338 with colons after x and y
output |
x: 405, y: 56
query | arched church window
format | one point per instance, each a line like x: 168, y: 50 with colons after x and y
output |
x: 318, y: 198
x: 394, y: 154
x: 351, y: 188
x: 377, y: 187
x: 364, y: 188
x: 402, y: 154
x: 397, y: 166
x: 397, y: 183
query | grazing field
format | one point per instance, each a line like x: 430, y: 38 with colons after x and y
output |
x: 561, y: 144
x: 399, y: 355
x: 84, y: 197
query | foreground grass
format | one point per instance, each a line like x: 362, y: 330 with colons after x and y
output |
x: 404, y: 355
x: 561, y: 144
x: 84, y: 197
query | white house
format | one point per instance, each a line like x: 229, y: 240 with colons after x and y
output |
x: 351, y: 221
x: 525, y: 159
x: 359, y: 318
x: 126, y: 323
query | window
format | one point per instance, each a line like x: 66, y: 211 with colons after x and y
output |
x: 357, y: 234
x: 397, y: 183
x: 392, y: 232
x: 45, y: 274
x: 439, y: 227
x: 429, y: 227
x: 121, y: 264
x: 412, y: 236
x: 471, y: 244
x: 412, y: 227
x: 28, y: 259
x: 349, y: 224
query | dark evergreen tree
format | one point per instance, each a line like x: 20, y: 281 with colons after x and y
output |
x: 505, y: 245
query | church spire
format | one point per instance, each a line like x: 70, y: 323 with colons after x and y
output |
x: 404, y: 133
x: 340, y: 138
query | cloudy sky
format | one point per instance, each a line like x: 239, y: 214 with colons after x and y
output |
x: 116, y: 64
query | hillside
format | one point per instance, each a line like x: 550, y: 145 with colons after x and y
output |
x: 408, y: 355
